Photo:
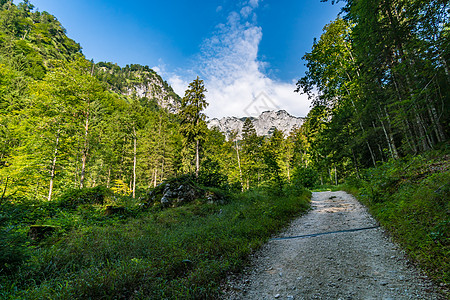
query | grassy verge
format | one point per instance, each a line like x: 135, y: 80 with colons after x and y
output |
x: 181, y: 252
x: 327, y: 188
x: 411, y: 199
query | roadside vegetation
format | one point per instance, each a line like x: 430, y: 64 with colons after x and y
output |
x: 141, y: 251
x: 410, y: 197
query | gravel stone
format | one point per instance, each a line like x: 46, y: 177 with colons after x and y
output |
x: 348, y: 265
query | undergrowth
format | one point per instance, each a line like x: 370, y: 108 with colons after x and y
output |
x: 175, y: 253
x: 411, y: 199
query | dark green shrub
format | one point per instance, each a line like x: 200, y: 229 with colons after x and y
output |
x: 306, y: 177
x: 212, y: 179
x: 211, y: 175
x: 13, y: 249
x: 410, y: 198
x: 75, y: 197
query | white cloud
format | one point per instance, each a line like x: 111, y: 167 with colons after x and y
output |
x: 253, y: 3
x: 246, y: 11
x: 234, y: 76
x: 157, y: 69
x: 178, y: 84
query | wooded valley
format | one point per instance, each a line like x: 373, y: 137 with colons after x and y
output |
x: 90, y: 153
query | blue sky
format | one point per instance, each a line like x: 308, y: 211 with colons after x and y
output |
x: 247, y: 51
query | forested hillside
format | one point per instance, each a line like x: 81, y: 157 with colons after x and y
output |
x: 68, y: 123
x: 379, y: 81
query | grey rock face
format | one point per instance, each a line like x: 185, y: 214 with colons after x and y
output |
x: 143, y: 82
x: 264, y: 124
x: 154, y: 89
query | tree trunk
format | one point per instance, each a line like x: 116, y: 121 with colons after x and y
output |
x: 356, y: 164
x: 85, y: 151
x: 410, y: 138
x: 381, y: 153
x: 391, y: 135
x: 411, y: 142
x: 161, y: 175
x: 163, y: 162
x: 371, y: 153
x: 331, y: 175
x: 361, y: 125
x: 386, y: 135
x: 37, y: 189
x: 438, y: 128
x: 420, y: 130
x: 134, y: 162
x: 444, y: 63
x: 239, y: 164
x: 25, y: 34
x: 76, y: 165
x: 4, y: 189
x: 335, y: 175
x: 109, y: 177
x: 289, y: 172
x: 197, y: 159
x: 52, y: 171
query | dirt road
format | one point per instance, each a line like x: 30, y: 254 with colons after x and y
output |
x: 361, y: 264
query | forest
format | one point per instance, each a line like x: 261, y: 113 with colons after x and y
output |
x: 88, y: 149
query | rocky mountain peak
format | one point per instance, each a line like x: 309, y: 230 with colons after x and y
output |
x: 264, y: 123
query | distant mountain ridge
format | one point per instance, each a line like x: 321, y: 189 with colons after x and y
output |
x: 264, y: 124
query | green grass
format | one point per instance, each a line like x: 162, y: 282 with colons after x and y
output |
x: 183, y: 252
x: 327, y: 188
x: 411, y: 199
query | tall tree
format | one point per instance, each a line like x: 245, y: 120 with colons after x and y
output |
x: 381, y: 74
x: 193, y: 125
x: 272, y: 153
x: 251, y: 154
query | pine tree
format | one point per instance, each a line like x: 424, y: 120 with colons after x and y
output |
x: 193, y: 125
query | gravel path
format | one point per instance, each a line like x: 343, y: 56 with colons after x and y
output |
x: 347, y: 265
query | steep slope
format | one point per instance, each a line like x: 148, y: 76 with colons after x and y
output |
x: 30, y: 40
x: 264, y: 124
x: 139, y: 81
x: 49, y: 99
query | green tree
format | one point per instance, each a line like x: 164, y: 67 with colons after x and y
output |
x: 272, y: 152
x: 252, y: 158
x: 193, y: 125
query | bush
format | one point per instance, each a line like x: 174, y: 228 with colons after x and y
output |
x: 410, y: 197
x: 306, y: 177
x: 211, y: 176
x: 75, y: 197
x: 13, y: 249
x: 212, y: 179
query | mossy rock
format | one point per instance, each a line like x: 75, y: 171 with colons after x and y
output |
x: 74, y: 197
x: 39, y: 232
x: 181, y: 190
x: 114, y: 210
x: 174, y: 191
